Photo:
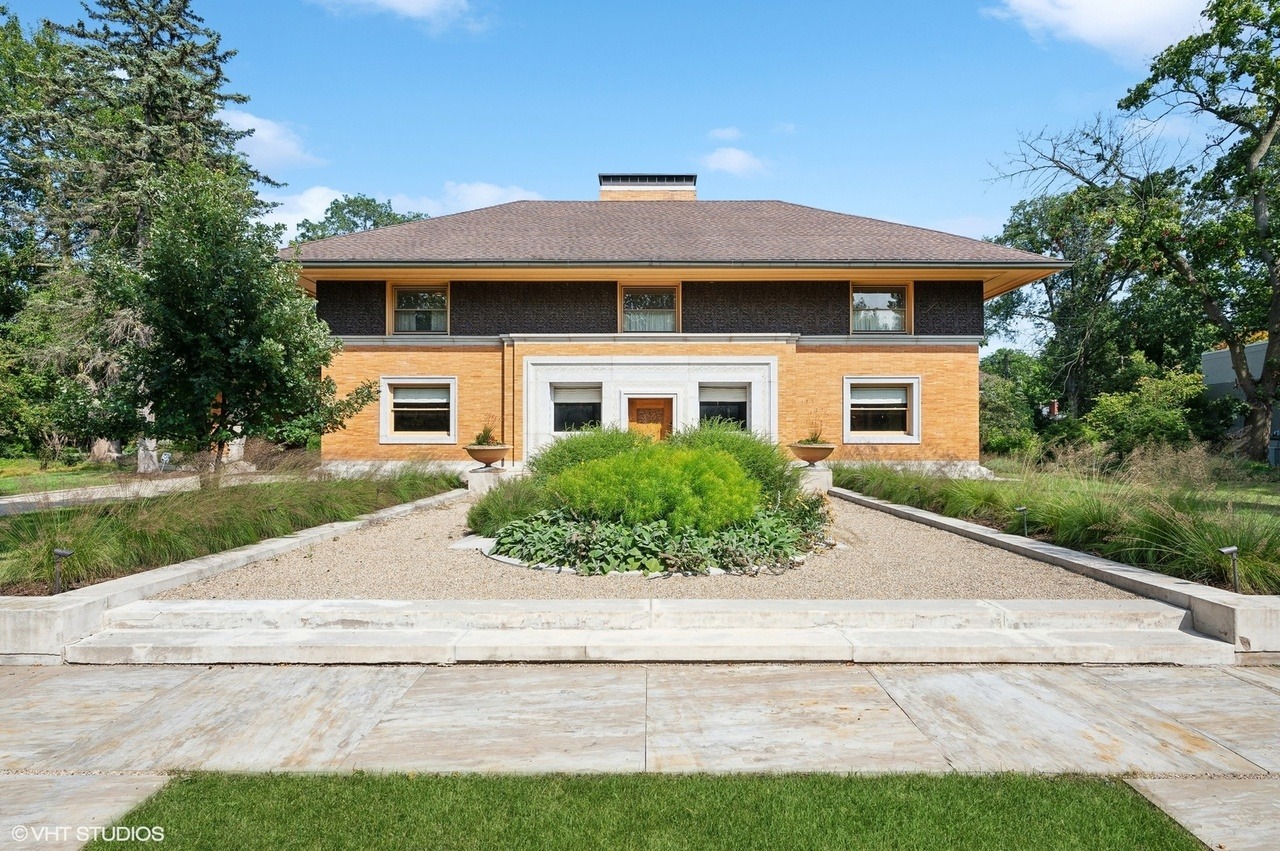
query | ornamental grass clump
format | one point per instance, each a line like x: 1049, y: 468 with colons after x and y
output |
x: 764, y: 461
x: 688, y: 489
x: 1174, y: 530
x: 587, y: 445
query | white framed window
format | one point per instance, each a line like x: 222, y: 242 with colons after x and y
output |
x: 650, y: 310
x: 418, y: 409
x: 422, y: 310
x: 726, y: 402
x: 878, y: 310
x: 881, y: 409
x: 575, y: 406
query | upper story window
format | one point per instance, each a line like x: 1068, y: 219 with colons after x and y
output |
x: 879, y: 310
x: 649, y: 309
x: 422, y: 310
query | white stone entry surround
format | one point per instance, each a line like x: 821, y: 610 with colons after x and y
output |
x: 648, y: 377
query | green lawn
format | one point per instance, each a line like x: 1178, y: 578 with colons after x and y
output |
x: 652, y: 812
x: 23, y: 475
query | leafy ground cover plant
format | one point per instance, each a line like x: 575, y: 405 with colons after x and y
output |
x: 117, y: 539
x: 770, y: 539
x: 1172, y: 528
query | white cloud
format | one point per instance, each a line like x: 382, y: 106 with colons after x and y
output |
x: 728, y: 134
x: 272, y: 145
x: 1132, y: 31
x: 735, y: 161
x: 293, y: 208
x: 786, y: 128
x: 458, y: 197
x: 438, y: 13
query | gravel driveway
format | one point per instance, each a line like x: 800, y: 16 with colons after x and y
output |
x: 880, y: 557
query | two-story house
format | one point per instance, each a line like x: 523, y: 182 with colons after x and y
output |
x: 649, y: 309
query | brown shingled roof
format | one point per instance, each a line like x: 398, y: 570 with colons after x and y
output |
x: 657, y: 232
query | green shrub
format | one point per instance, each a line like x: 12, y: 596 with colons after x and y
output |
x: 1156, y: 411
x: 765, y: 461
x: 510, y: 499
x: 705, y: 489
x: 587, y: 445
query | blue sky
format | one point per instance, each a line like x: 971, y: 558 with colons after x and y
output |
x: 896, y: 110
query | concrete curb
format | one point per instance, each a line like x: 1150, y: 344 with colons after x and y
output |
x: 34, y: 630
x: 1250, y: 622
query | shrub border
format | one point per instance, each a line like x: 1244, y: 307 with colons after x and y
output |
x: 1249, y: 621
x: 35, y: 630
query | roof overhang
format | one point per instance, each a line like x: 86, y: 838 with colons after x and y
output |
x: 997, y: 279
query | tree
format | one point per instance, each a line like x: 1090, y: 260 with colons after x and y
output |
x: 1073, y: 311
x: 351, y: 214
x: 1155, y: 411
x: 235, y: 347
x: 89, y: 113
x: 1204, y: 225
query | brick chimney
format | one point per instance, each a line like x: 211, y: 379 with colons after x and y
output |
x: 648, y: 187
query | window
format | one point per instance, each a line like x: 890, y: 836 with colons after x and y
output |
x: 724, y: 401
x: 879, y: 310
x: 422, y: 311
x: 418, y: 410
x: 575, y: 408
x: 882, y: 409
x: 649, y: 309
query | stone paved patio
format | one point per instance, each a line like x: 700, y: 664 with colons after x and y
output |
x: 68, y: 732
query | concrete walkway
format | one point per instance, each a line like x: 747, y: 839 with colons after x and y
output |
x: 1214, y: 727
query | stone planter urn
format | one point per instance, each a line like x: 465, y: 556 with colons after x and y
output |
x: 487, y: 453
x: 812, y: 453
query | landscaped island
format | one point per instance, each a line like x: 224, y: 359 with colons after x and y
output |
x: 713, y: 498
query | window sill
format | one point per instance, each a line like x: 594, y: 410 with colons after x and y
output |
x: 880, y: 437
x: 420, y: 438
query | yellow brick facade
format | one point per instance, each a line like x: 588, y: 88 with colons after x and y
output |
x: 809, y: 393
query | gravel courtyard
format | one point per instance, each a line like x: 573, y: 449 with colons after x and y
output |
x: 880, y: 557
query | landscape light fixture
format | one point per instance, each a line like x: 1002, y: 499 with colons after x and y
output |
x: 58, y: 556
x: 1235, y: 565
x: 1022, y: 509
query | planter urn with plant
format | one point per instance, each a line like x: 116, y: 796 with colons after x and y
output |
x: 486, y: 448
x: 813, y: 448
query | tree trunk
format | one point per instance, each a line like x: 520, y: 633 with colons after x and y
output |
x: 1257, y: 430
x: 148, y: 458
x: 214, y: 479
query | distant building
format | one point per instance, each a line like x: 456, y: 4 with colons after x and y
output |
x: 1220, y: 378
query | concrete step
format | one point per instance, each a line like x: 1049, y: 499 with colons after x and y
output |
x: 389, y: 646
x: 647, y: 614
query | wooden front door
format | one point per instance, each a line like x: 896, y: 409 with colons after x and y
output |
x: 650, y: 416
